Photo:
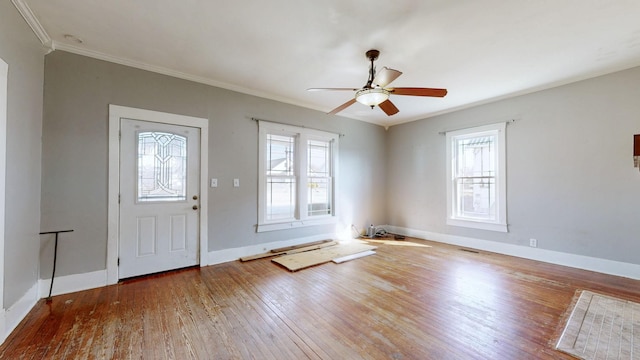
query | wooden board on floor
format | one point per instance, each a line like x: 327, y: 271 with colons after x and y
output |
x: 303, y: 260
x: 294, y: 247
x: 296, y: 250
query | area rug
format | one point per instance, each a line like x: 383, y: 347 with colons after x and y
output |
x: 602, y: 327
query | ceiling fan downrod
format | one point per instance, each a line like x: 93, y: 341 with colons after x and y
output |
x: 372, y: 55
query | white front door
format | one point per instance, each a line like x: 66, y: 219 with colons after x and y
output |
x: 159, y: 197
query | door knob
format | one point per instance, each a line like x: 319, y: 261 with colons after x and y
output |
x: 195, y: 197
x: 195, y: 207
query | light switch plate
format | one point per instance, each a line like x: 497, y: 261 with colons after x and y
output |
x: 214, y: 182
x: 236, y: 182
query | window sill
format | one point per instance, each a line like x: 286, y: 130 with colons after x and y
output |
x: 478, y: 225
x: 295, y: 224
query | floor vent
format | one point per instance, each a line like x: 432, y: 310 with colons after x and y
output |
x: 471, y: 251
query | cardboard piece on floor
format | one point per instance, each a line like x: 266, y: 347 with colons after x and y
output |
x: 306, y: 247
x: 307, y: 259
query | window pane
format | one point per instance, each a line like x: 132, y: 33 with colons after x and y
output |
x: 319, y: 196
x: 162, y: 170
x: 476, y: 156
x: 281, y: 198
x: 318, y: 156
x: 280, y: 155
x: 476, y: 198
x: 475, y: 177
x: 319, y: 178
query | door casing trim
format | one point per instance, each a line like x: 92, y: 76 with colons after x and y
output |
x: 117, y: 112
x: 4, y: 85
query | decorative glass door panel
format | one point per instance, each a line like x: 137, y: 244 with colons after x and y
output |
x: 162, y: 170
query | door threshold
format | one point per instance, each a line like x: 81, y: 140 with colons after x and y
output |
x: 157, y: 274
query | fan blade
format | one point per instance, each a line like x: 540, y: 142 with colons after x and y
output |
x: 342, y: 107
x: 332, y: 89
x: 385, y: 76
x: 388, y: 107
x: 418, y: 91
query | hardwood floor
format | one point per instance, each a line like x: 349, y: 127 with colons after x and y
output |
x: 405, y: 302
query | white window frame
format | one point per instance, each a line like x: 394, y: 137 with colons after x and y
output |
x: 499, y: 131
x: 302, y: 135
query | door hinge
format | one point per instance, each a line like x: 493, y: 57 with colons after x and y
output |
x: 118, y: 261
x: 118, y: 198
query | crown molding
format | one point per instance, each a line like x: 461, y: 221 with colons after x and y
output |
x: 33, y: 23
x: 177, y: 74
x: 37, y: 28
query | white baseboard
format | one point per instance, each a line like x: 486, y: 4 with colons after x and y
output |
x: 226, y: 255
x: 604, y: 266
x: 11, y: 317
x: 91, y: 280
x: 72, y: 283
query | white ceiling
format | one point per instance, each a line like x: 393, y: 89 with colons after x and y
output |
x: 480, y: 50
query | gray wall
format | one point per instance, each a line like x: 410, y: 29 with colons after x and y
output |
x: 77, y: 93
x: 571, y: 183
x: 20, y: 48
x: 570, y: 177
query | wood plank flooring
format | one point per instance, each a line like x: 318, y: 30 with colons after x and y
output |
x: 405, y: 302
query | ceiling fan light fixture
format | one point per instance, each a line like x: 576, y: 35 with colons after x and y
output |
x: 372, y: 97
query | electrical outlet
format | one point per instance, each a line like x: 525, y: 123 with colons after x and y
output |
x: 533, y: 242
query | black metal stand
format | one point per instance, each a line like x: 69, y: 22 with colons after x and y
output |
x: 55, y: 256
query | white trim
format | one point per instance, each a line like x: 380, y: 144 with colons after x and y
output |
x: 179, y: 74
x: 10, y: 318
x: 72, y: 283
x: 33, y: 23
x: 292, y: 224
x: 233, y: 254
x: 115, y: 113
x: 4, y: 75
x: 113, y: 212
x: 604, y: 266
x: 478, y: 225
x: 499, y: 131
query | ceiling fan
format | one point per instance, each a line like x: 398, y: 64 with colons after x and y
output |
x: 375, y: 92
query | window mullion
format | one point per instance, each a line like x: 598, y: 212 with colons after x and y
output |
x: 302, y: 154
